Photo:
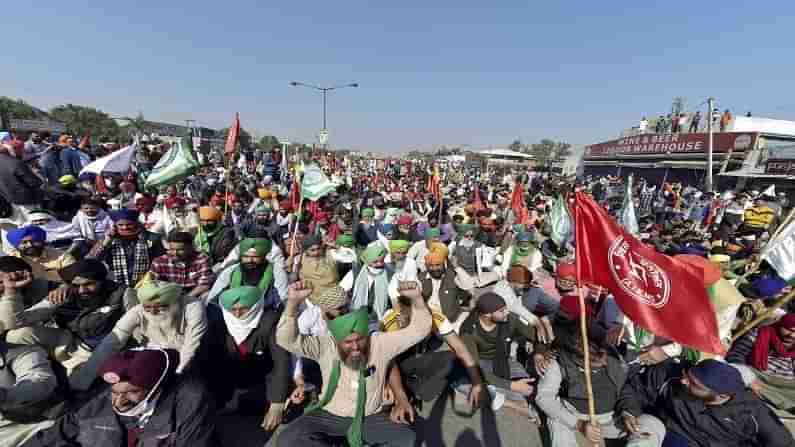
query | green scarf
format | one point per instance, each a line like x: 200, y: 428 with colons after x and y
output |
x: 520, y: 253
x: 202, y: 239
x: 264, y: 282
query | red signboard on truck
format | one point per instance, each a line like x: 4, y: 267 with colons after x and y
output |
x: 681, y: 143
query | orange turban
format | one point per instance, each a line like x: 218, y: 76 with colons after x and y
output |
x: 437, y: 255
x: 210, y: 213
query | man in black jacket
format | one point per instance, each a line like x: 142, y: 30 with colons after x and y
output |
x: 147, y: 405
x: 702, y: 405
x: 239, y: 351
x: 19, y: 187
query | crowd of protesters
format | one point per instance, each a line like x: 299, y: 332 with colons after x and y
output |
x: 134, y: 317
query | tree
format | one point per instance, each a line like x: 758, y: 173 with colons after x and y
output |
x: 268, y: 142
x: 516, y: 146
x: 548, y: 151
x: 86, y: 121
x: 11, y: 108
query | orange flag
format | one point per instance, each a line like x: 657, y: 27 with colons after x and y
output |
x: 233, y: 137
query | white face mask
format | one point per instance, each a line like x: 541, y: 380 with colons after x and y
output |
x: 375, y: 271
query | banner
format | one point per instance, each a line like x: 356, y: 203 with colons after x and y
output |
x: 673, y: 143
x: 176, y: 164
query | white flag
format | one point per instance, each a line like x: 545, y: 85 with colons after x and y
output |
x: 780, y: 252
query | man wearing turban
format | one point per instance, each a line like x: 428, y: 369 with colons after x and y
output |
x: 256, y: 267
x: 471, y: 258
x: 163, y: 318
x: 439, y: 287
x: 316, y: 267
x: 128, y: 249
x: 365, y: 232
x: 214, y: 239
x: 85, y: 309
x: 351, y: 355
x: 523, y: 252
x: 30, y: 245
x: 370, y: 285
x: 344, y: 255
x: 240, y: 351
x: 420, y: 249
x: 147, y: 400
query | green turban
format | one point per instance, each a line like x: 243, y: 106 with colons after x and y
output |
x: 159, y: 292
x: 368, y: 212
x: 345, y: 240
x: 356, y: 322
x: 465, y: 228
x: 521, y: 228
x: 373, y: 251
x: 432, y: 233
x: 399, y: 245
x: 262, y: 246
x: 246, y: 296
x: 263, y: 208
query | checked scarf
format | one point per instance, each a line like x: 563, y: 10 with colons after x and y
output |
x: 120, y: 264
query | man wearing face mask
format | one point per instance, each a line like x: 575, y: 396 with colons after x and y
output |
x: 84, y: 309
x: 164, y: 318
x: 370, y: 285
x: 262, y: 221
x: 92, y: 221
x: 177, y: 217
x: 147, y: 404
x: 365, y: 231
x: 127, y: 248
x: 255, y: 268
x: 213, y: 239
x: 240, y: 352
x: 30, y: 245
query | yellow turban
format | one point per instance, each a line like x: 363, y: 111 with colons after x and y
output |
x: 210, y: 213
x: 437, y: 255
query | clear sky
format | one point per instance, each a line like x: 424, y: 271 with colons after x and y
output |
x: 464, y: 72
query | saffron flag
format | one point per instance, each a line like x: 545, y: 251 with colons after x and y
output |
x: 518, y: 205
x: 659, y: 293
x: 233, y: 136
x: 433, y: 184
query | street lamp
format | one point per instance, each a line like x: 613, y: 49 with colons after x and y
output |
x: 324, y: 90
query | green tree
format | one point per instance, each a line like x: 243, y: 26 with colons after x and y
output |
x: 11, y: 108
x: 82, y: 121
x: 549, y: 151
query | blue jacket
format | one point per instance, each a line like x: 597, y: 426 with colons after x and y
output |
x: 58, y: 163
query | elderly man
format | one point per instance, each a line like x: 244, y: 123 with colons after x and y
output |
x: 164, y: 318
x: 183, y: 265
x: 85, y: 310
x: 439, y: 287
x: 30, y: 245
x: 365, y: 231
x: 213, y: 239
x: 147, y: 404
x: 240, y: 351
x: 420, y: 249
x: 177, y: 217
x: 522, y: 252
x: 254, y: 269
x: 127, y: 248
x: 59, y: 233
x: 354, y: 367
x: 370, y: 285
x: 344, y: 255
x: 262, y: 221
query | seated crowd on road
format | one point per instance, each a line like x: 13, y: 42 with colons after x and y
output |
x: 137, y: 317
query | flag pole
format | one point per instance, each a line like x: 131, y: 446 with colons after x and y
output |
x: 781, y: 302
x: 584, y: 333
x: 755, y: 266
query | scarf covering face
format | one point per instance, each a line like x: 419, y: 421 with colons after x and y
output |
x: 767, y: 338
x: 246, y: 296
x: 341, y: 327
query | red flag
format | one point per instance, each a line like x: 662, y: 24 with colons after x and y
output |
x: 476, y: 198
x: 294, y: 197
x: 233, y: 137
x: 661, y: 294
x: 518, y: 205
x: 85, y: 142
x: 433, y: 184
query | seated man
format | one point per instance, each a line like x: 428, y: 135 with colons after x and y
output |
x: 163, y: 319
x: 146, y: 404
x: 770, y: 352
x: 706, y: 404
x: 522, y: 252
x: 427, y: 370
x: 420, y: 249
x: 240, y: 351
x: 562, y: 395
x: 183, y: 265
x: 84, y: 311
x: 489, y: 332
x: 254, y: 269
x: 30, y: 245
x: 213, y: 239
x: 520, y: 296
x: 354, y: 365
x: 92, y: 222
x: 31, y: 290
x: 316, y: 268
x: 440, y: 289
x: 370, y: 287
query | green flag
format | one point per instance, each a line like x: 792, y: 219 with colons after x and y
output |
x: 315, y: 184
x: 176, y: 164
x: 560, y: 222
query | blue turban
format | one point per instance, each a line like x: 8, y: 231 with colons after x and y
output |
x: 15, y: 236
x: 719, y: 377
x: 767, y: 286
x: 124, y: 214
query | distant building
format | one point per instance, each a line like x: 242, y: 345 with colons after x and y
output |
x: 506, y: 158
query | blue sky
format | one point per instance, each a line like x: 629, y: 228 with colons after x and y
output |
x: 464, y: 72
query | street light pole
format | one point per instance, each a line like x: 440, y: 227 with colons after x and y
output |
x: 324, y: 90
x: 711, y: 105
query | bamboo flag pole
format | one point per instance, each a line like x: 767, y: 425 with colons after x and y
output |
x: 755, y: 266
x: 781, y: 302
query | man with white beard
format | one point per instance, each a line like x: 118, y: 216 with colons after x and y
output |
x: 405, y: 267
x: 163, y: 319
